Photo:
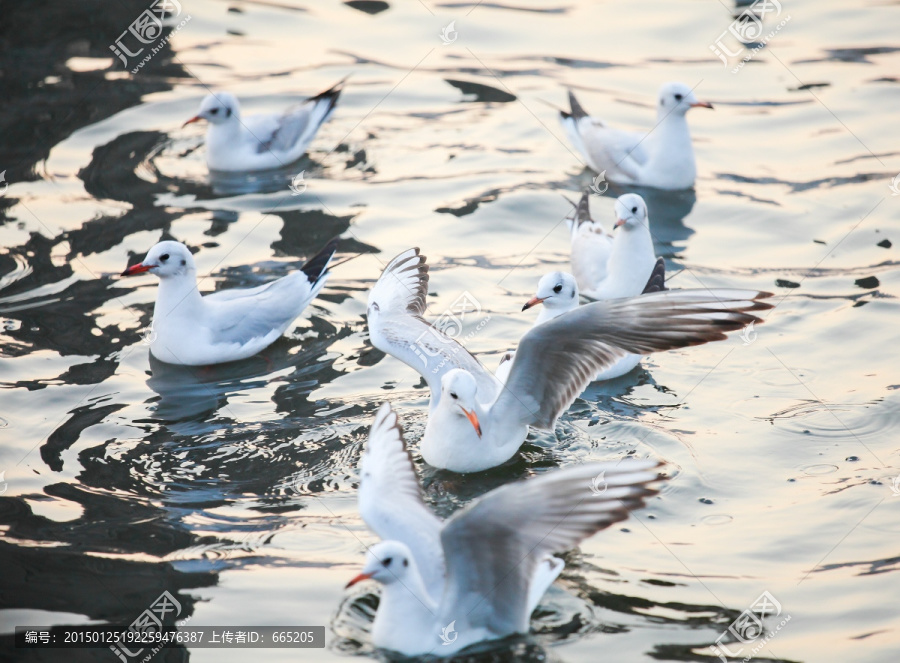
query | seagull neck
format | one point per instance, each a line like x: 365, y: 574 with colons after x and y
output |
x: 549, y: 313
x: 178, y: 296
x: 672, y: 136
x: 406, y: 620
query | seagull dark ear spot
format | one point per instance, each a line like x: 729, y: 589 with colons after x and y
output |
x: 227, y: 112
x: 405, y: 562
x: 183, y: 262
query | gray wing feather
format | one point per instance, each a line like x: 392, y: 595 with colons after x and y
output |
x: 556, y: 360
x: 493, y: 546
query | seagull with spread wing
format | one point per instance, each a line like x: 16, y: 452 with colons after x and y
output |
x: 482, y: 572
x: 477, y: 422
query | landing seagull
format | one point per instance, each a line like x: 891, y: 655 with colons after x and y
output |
x: 476, y: 422
x: 662, y: 158
x: 227, y: 325
x: 482, y: 572
x: 264, y: 140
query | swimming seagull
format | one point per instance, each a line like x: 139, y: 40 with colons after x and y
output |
x: 475, y: 421
x: 264, y: 140
x: 480, y: 574
x: 227, y: 325
x: 610, y: 267
x: 662, y: 158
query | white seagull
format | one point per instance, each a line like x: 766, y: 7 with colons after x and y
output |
x: 663, y: 158
x: 264, y: 140
x: 480, y: 574
x: 611, y: 267
x: 475, y: 422
x: 227, y: 325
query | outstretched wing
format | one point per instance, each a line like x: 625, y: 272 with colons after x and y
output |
x: 494, y: 545
x: 396, y: 326
x: 390, y: 500
x: 556, y: 360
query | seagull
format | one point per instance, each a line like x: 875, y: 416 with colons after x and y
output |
x: 611, y: 267
x: 480, y: 574
x: 476, y: 421
x: 264, y: 140
x: 194, y: 330
x: 663, y: 158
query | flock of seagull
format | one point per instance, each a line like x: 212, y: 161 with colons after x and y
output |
x: 481, y: 572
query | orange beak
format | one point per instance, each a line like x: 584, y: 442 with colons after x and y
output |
x: 702, y: 104
x: 534, y: 301
x: 139, y: 268
x: 359, y: 578
x: 619, y: 222
x: 473, y: 419
x: 196, y: 118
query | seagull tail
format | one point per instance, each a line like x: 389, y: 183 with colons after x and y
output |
x: 577, y: 111
x: 316, y: 268
x: 657, y: 280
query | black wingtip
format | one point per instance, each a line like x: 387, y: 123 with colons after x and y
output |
x: 657, y: 280
x: 331, y: 95
x: 316, y: 266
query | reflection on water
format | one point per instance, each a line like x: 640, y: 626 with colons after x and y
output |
x: 233, y: 487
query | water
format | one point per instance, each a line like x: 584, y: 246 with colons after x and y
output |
x: 233, y: 488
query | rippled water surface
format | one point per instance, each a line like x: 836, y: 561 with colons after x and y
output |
x: 234, y: 487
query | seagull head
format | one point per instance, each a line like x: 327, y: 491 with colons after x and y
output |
x: 458, y: 389
x: 387, y: 562
x: 217, y: 108
x: 166, y: 259
x: 557, y: 291
x: 631, y: 212
x: 678, y: 98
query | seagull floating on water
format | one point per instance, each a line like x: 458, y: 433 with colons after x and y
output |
x: 227, y: 325
x: 264, y: 140
x: 475, y: 421
x: 480, y: 574
x: 663, y: 158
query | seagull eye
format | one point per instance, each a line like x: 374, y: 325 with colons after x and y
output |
x: 164, y: 257
x: 678, y: 97
x: 214, y: 111
x: 386, y: 562
x: 453, y: 395
x: 634, y: 210
x: 557, y: 288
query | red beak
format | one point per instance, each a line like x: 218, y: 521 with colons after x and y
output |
x: 359, y: 578
x: 534, y: 301
x: 702, y: 104
x: 619, y: 222
x: 139, y: 268
x: 473, y: 418
x: 196, y: 118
